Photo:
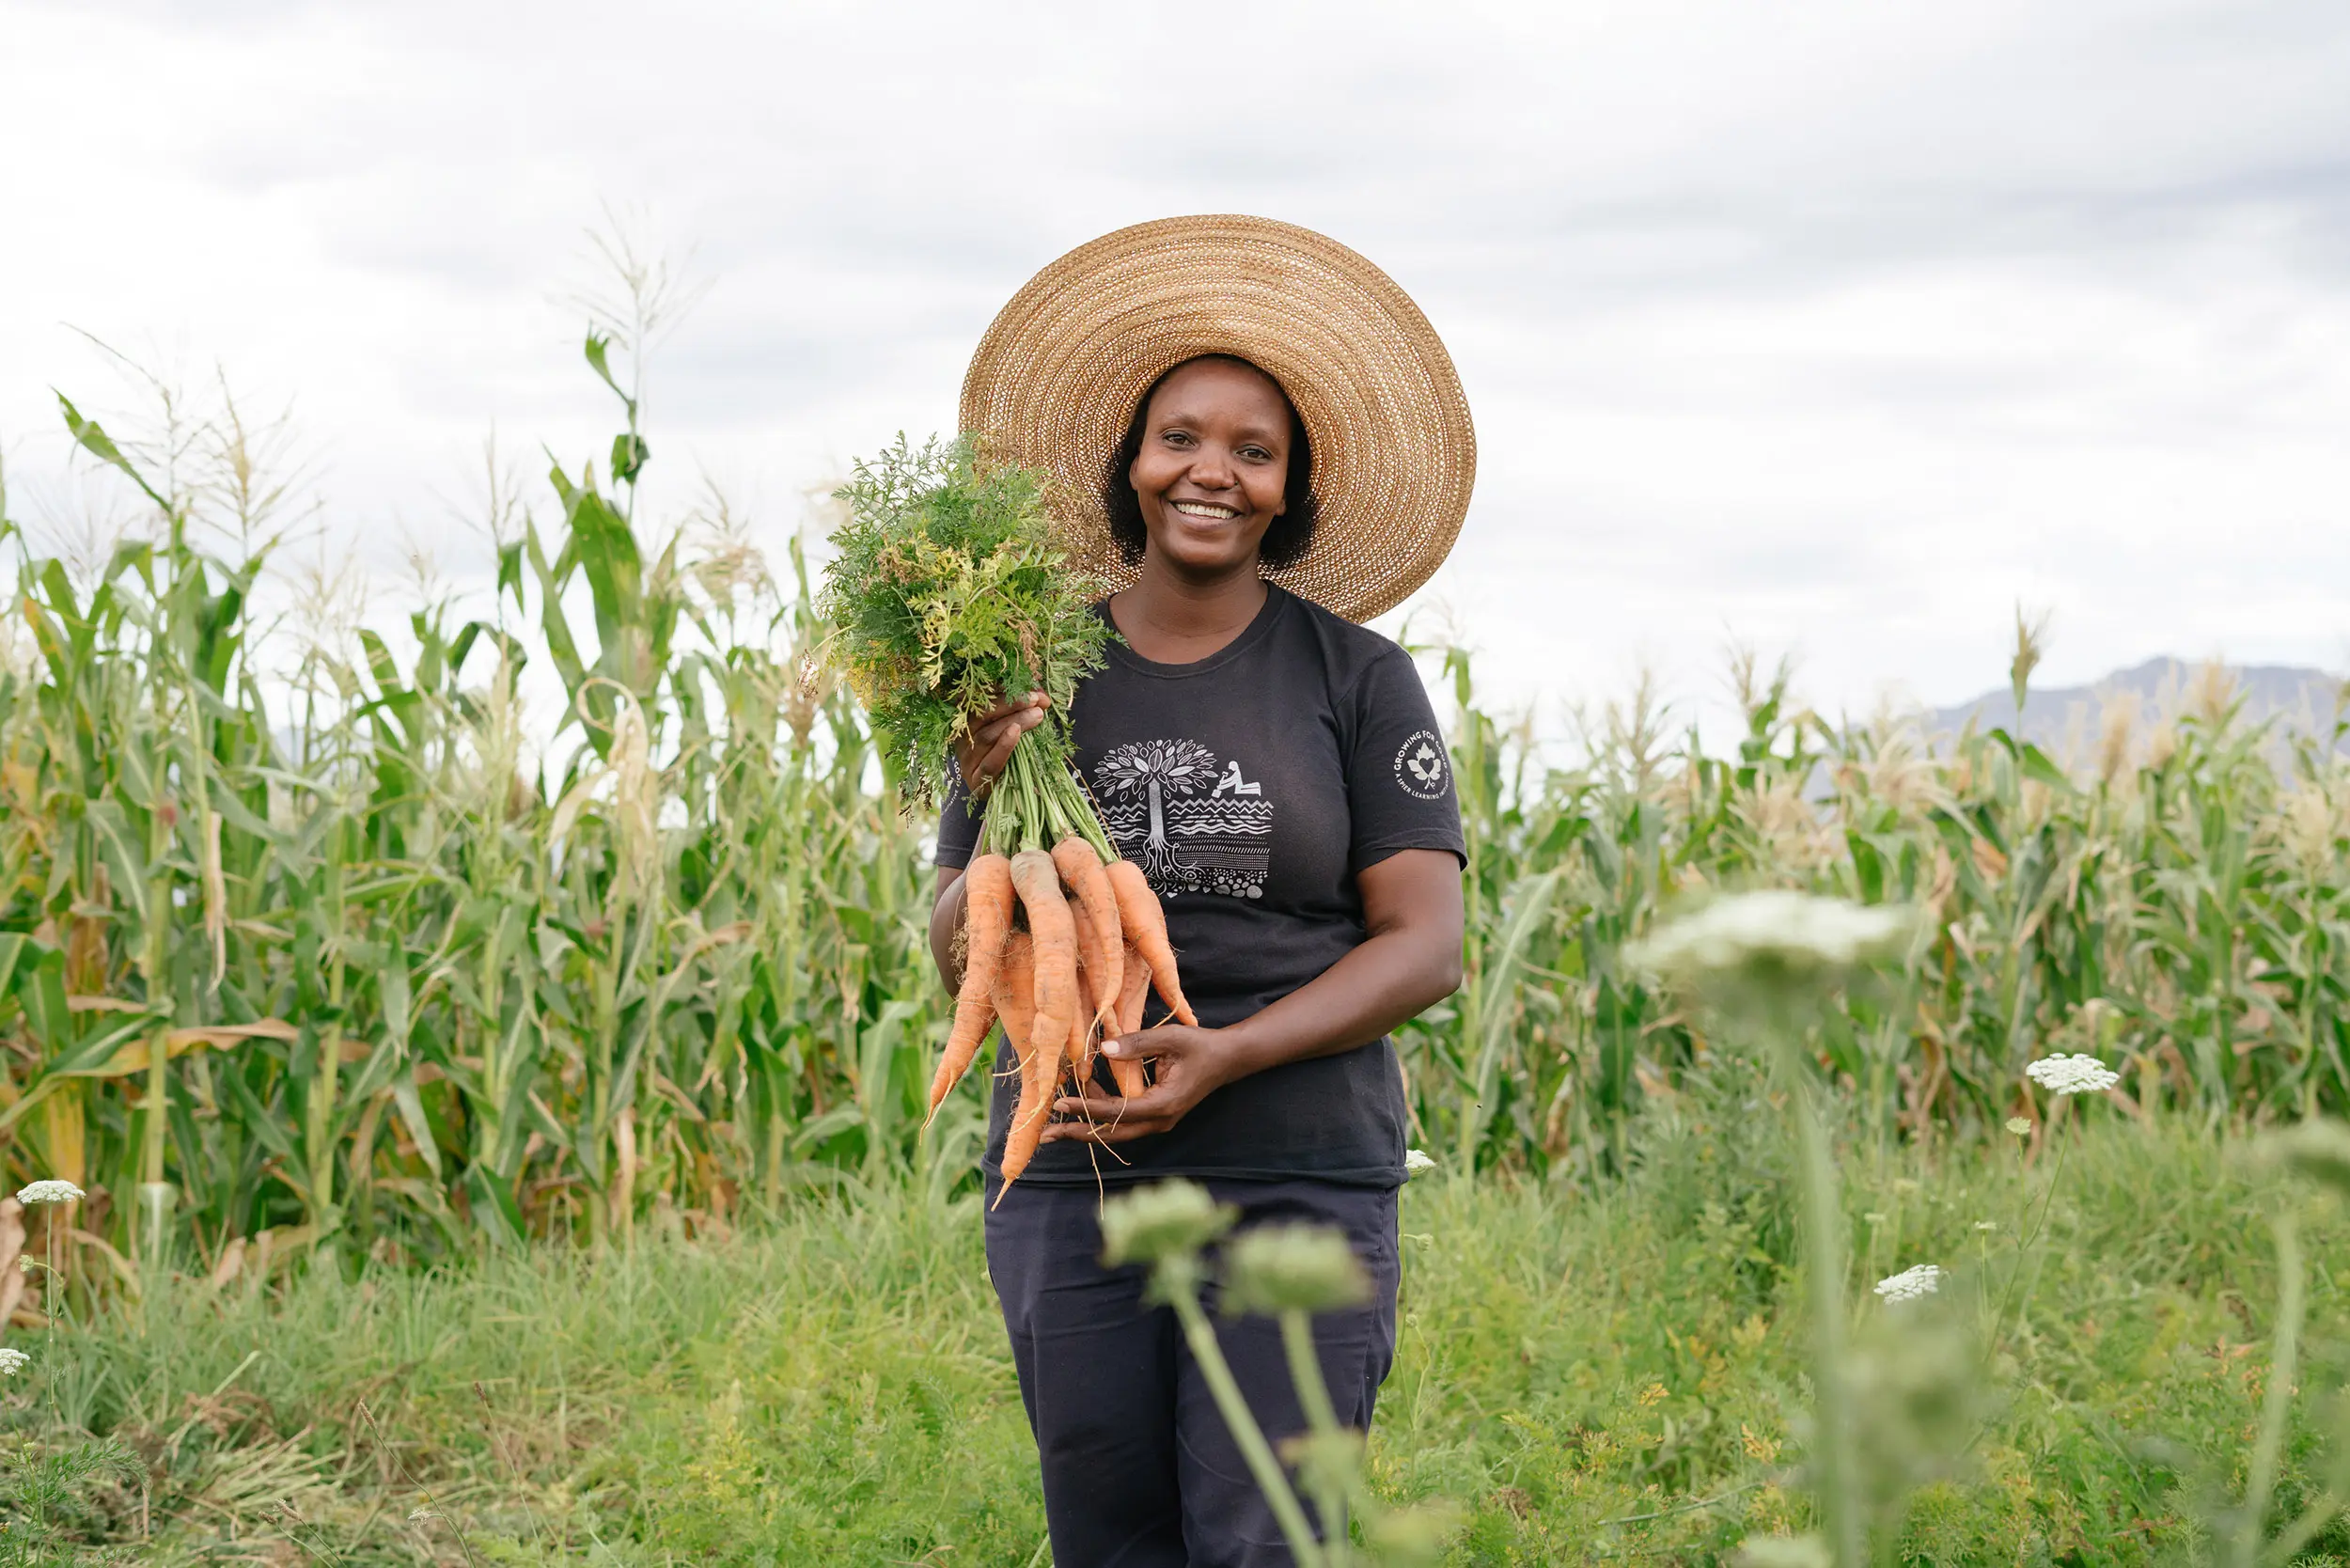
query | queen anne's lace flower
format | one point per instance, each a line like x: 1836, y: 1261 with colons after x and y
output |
x: 2074, y: 1075
x: 2020, y: 1127
x: 1911, y: 1283
x: 1416, y: 1161
x: 12, y: 1362
x: 1776, y: 929
x: 49, y: 1192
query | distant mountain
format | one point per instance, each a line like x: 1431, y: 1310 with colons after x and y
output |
x: 2068, y: 721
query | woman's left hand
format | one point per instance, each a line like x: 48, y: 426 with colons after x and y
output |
x: 1192, y: 1064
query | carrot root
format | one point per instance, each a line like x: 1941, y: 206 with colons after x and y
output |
x: 1097, y: 916
x: 1052, y: 937
x: 1145, y: 925
x: 987, y: 920
x: 1127, y: 1071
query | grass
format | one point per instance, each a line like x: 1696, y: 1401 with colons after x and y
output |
x: 1590, y: 1375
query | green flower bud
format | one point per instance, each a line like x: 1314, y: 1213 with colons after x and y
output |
x: 1163, y: 1220
x: 1292, y: 1268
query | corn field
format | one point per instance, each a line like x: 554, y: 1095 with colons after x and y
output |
x: 308, y: 943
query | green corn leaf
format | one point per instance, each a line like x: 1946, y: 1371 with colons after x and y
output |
x: 410, y: 1108
x: 95, y: 440
x: 509, y: 576
x: 629, y: 456
x: 598, y: 350
x: 493, y: 1205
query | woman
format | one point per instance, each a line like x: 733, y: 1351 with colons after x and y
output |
x: 1277, y: 772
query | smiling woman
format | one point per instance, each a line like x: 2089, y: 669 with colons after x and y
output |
x: 1270, y: 440
x: 1274, y: 770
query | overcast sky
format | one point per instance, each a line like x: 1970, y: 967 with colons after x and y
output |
x: 1835, y: 328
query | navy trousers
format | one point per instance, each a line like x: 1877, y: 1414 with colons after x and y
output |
x: 1139, y: 1469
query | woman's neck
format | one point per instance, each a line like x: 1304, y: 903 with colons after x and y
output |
x: 1170, y: 620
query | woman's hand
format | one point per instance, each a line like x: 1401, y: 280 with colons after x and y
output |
x: 1192, y: 1063
x: 1410, y: 959
x: 986, y: 747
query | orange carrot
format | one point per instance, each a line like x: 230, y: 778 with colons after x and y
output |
x: 987, y: 917
x: 1053, y: 936
x: 1128, y: 1070
x: 1080, y: 1059
x: 1089, y: 959
x: 1091, y: 1008
x: 1130, y: 996
x: 1098, y: 921
x: 1145, y: 925
x: 1014, y: 994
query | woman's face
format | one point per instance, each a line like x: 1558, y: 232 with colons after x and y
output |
x: 1214, y: 458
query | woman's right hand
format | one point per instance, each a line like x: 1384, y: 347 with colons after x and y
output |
x: 986, y: 747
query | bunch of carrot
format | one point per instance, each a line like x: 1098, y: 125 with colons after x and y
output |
x: 949, y: 587
x: 1060, y: 948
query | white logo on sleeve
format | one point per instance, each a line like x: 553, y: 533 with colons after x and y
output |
x: 1421, y: 767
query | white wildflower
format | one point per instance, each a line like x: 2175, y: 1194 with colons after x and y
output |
x: 1416, y: 1161
x: 1911, y: 1283
x: 49, y: 1192
x: 1986, y: 1225
x: 12, y: 1362
x: 1775, y: 930
x: 416, y: 1515
x: 2074, y: 1075
x: 2019, y: 1126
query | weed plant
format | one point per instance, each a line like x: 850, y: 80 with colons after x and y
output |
x: 1582, y: 1378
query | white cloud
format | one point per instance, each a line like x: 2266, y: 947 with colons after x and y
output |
x: 1831, y: 326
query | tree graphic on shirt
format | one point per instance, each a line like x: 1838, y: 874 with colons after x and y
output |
x: 1157, y: 770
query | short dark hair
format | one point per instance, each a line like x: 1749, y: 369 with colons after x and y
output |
x: 1285, y: 542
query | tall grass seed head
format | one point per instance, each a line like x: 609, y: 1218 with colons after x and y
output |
x: 2079, y: 1073
x: 49, y: 1191
x: 1292, y: 1268
x: 1163, y: 1220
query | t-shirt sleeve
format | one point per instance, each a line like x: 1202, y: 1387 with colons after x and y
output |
x: 959, y: 822
x: 1400, y: 776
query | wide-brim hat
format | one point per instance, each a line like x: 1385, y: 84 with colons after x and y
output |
x: 1055, y: 380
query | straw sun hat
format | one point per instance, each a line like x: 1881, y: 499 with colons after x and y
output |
x: 1056, y: 377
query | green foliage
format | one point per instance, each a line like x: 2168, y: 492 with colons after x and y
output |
x: 945, y: 594
x: 832, y: 1384
x: 2175, y: 899
x: 300, y: 938
x: 311, y: 940
x: 55, y: 1495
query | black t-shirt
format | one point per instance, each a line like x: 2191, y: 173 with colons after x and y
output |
x: 1251, y: 787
